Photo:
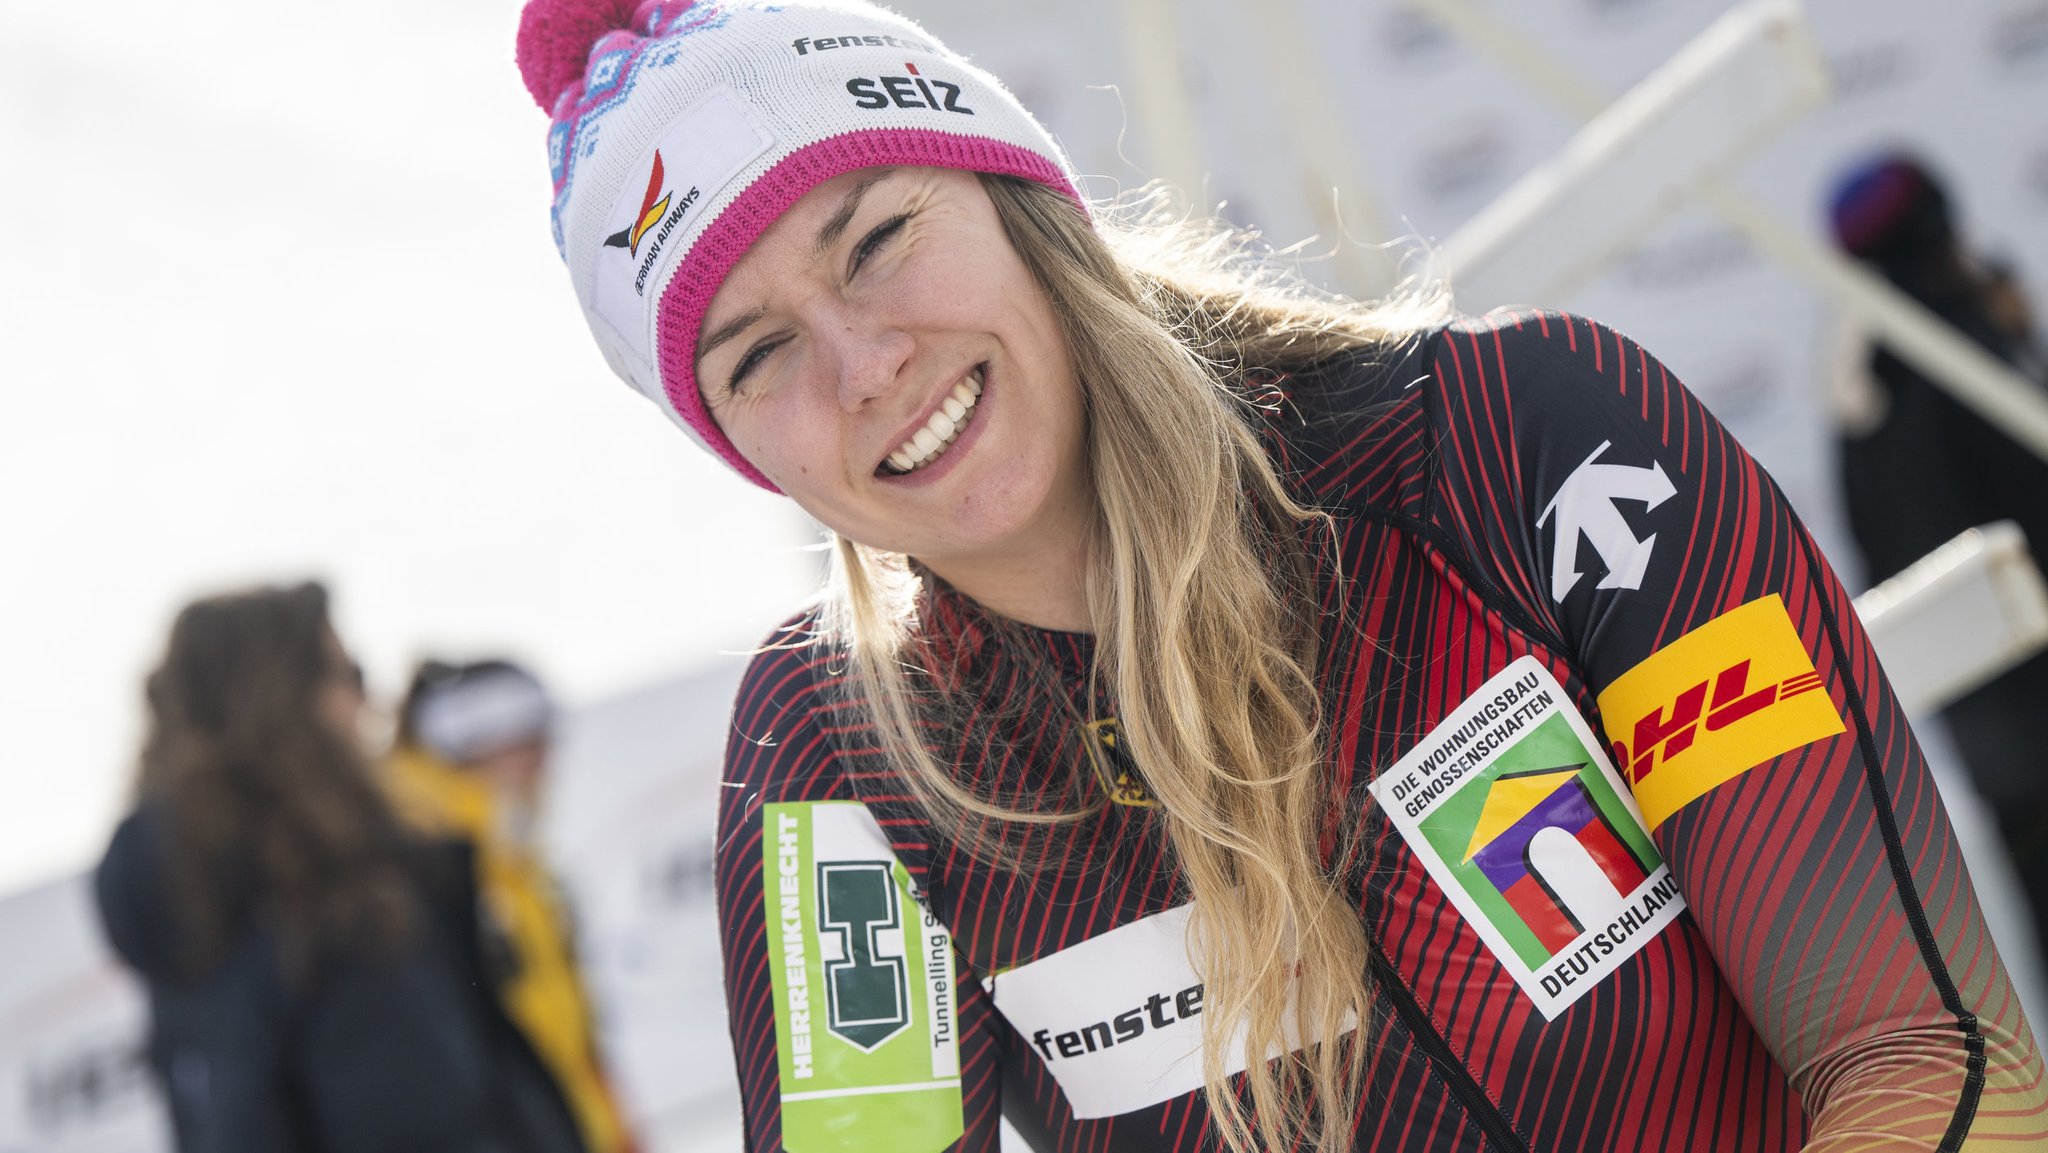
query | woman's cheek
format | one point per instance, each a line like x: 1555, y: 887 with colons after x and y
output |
x: 781, y: 445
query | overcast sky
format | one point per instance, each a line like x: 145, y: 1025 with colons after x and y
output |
x: 277, y: 299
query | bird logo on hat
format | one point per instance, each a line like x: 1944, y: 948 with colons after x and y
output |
x: 651, y: 212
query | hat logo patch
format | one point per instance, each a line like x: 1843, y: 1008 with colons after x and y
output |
x: 651, y: 212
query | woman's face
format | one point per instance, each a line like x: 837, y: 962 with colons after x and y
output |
x: 883, y: 355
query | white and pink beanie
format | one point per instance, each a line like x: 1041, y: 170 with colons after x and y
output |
x: 682, y: 129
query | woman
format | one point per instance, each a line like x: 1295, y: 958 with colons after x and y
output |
x: 312, y: 972
x: 468, y: 764
x: 1196, y: 746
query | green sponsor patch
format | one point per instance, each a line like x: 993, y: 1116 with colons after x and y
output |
x: 866, y: 1021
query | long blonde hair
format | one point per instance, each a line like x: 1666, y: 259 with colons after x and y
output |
x: 1202, y: 561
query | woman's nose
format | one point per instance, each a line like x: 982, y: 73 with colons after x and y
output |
x: 871, y: 360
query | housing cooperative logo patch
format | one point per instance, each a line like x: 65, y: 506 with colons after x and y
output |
x: 866, y: 1026
x: 1513, y: 808
x: 1714, y: 704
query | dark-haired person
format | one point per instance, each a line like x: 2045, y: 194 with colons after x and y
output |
x: 1240, y: 719
x: 313, y: 978
x: 469, y: 764
x: 1919, y: 466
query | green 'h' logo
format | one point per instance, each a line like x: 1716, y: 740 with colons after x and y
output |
x: 867, y: 994
x: 866, y: 999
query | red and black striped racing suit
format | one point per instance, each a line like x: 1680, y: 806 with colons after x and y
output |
x: 1735, y: 919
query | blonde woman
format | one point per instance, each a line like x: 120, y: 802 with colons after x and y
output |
x: 1238, y: 720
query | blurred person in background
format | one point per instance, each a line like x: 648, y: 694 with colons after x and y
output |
x: 1195, y: 746
x: 1919, y: 466
x: 469, y: 764
x: 313, y: 977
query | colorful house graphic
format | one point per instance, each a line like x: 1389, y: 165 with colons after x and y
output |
x: 1553, y: 853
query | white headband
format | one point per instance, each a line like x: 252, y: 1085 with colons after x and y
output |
x: 472, y: 716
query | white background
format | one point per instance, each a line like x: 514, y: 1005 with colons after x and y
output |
x: 278, y: 299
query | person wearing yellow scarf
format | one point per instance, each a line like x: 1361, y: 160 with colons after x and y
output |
x: 467, y: 765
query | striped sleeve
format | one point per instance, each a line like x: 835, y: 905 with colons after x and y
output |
x: 1747, y: 712
x: 851, y: 1026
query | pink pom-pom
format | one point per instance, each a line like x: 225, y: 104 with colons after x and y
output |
x: 555, y: 38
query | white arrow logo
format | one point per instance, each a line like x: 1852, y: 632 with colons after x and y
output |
x: 1585, y: 507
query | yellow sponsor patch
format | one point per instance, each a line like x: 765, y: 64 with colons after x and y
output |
x: 1714, y: 704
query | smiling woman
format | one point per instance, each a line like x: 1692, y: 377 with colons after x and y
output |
x: 1200, y: 740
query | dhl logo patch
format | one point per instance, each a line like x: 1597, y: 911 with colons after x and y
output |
x: 1714, y: 704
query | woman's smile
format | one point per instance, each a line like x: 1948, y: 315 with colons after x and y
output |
x: 933, y: 438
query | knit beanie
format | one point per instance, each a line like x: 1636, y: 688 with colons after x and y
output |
x: 682, y: 129
x: 1890, y: 208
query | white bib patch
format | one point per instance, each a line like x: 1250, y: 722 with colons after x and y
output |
x: 1117, y: 1018
x: 1513, y: 808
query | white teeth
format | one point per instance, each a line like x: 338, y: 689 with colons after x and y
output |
x: 942, y: 429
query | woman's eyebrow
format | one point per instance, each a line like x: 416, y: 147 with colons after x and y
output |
x: 828, y: 235
x: 843, y: 215
x: 728, y: 330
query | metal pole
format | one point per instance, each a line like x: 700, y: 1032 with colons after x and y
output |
x: 1924, y: 340
x: 1329, y: 164
x: 1161, y: 98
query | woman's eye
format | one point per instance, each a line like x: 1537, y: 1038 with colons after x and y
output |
x: 873, y: 241
x: 754, y: 357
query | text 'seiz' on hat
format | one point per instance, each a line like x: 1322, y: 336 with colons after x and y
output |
x: 682, y: 130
